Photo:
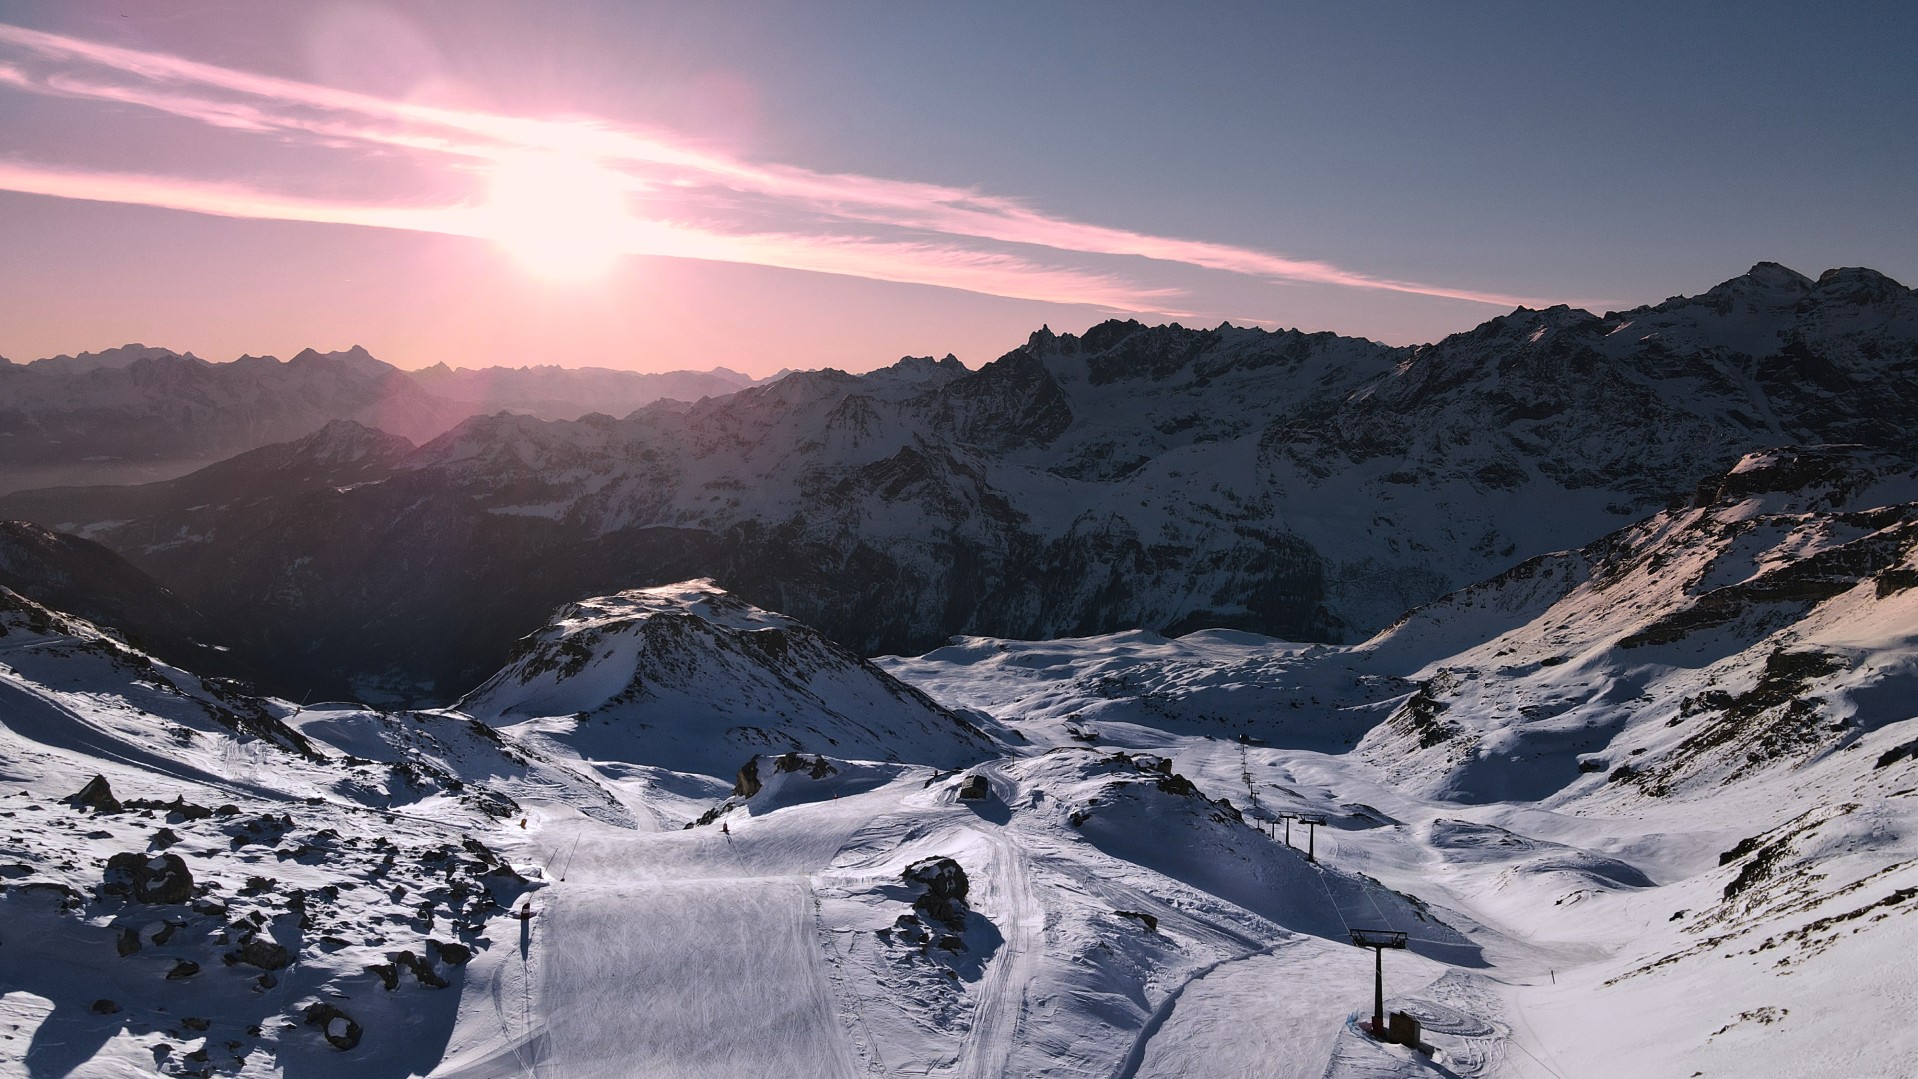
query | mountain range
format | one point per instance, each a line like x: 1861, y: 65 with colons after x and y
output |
x: 139, y: 413
x: 1306, y: 486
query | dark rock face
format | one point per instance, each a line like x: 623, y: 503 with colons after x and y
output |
x: 945, y: 898
x: 747, y: 783
x: 149, y: 878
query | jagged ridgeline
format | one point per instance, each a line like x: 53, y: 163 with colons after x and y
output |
x: 1307, y: 486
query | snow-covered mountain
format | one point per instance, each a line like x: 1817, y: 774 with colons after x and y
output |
x: 567, y: 393
x: 692, y: 679
x: 112, y: 359
x: 139, y: 413
x: 115, y: 422
x: 1663, y: 780
x: 1309, y: 486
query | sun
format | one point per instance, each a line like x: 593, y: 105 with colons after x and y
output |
x: 562, y: 216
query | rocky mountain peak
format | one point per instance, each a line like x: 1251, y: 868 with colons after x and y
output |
x: 1858, y: 285
x: 347, y: 441
x: 111, y: 359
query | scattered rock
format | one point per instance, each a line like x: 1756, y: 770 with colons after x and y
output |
x: 185, y: 968
x: 192, y: 1023
x: 127, y: 941
x: 97, y: 795
x: 164, y: 838
x: 451, y: 952
x: 1150, y: 922
x: 103, y: 1006
x: 339, y: 1028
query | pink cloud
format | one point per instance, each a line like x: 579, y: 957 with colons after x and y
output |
x: 703, y: 184
x: 942, y: 265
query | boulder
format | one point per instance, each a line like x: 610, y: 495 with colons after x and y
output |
x: 97, y: 795
x: 260, y: 952
x: 149, y: 878
x: 975, y: 789
x: 946, y: 885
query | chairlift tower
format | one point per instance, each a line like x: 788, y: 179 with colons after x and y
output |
x: 1288, y: 818
x: 1378, y: 940
x: 1312, y: 824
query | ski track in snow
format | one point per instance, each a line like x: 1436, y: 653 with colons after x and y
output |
x: 1001, y: 1009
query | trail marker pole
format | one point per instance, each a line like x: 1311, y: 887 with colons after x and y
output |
x: 1378, y: 940
x: 1311, y: 834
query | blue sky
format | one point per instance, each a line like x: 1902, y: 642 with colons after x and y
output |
x: 1397, y: 171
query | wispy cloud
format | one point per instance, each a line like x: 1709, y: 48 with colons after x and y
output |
x: 857, y: 225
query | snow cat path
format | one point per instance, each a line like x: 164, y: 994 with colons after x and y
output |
x: 713, y: 977
x: 1004, y: 894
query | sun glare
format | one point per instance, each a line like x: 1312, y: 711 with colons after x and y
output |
x: 563, y: 217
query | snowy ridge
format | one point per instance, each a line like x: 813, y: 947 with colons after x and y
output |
x: 690, y: 678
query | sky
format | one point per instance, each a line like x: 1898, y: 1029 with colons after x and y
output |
x: 656, y: 186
